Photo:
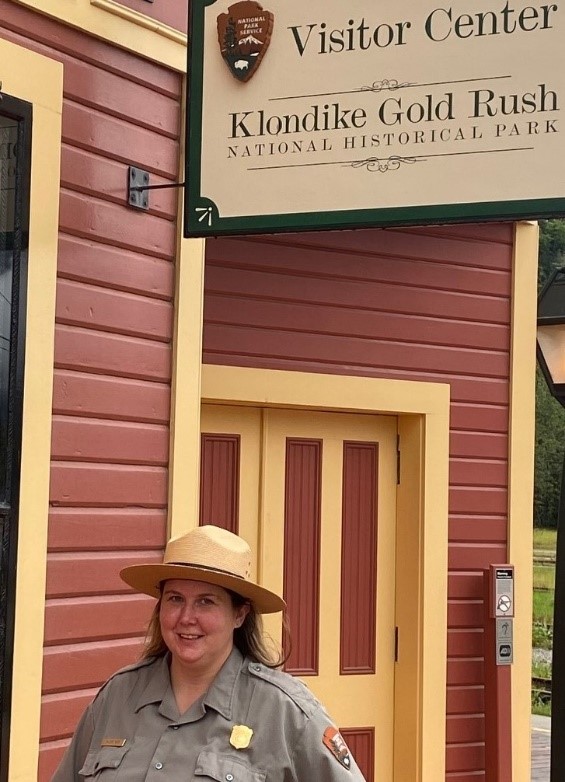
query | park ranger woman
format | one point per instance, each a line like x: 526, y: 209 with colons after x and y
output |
x: 206, y: 702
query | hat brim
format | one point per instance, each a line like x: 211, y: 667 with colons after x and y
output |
x: 148, y: 579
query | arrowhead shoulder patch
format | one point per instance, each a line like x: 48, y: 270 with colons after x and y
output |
x: 333, y: 740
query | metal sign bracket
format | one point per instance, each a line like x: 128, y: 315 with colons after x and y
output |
x: 139, y: 186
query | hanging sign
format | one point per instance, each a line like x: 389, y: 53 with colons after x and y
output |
x: 323, y: 114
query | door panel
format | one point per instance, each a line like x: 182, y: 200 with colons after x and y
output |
x: 241, y: 458
x: 325, y: 491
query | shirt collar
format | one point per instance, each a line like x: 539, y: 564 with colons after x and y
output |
x: 221, y: 693
x: 158, y: 681
x: 219, y: 696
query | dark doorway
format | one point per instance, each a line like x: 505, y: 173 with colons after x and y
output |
x: 15, y: 164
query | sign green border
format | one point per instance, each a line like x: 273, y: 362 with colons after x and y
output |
x: 202, y: 218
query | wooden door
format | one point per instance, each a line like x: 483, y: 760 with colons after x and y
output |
x: 315, y: 495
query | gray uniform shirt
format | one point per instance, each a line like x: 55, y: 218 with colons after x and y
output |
x: 133, y: 731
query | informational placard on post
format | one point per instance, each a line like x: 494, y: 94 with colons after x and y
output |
x: 319, y: 114
x: 504, y: 641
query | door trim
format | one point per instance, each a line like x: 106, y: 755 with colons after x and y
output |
x: 422, y: 531
x: 38, y: 80
x: 521, y: 480
x: 19, y: 112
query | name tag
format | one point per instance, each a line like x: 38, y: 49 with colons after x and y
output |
x: 107, y: 742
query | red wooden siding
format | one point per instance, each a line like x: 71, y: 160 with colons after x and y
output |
x: 361, y: 742
x: 421, y: 304
x: 112, y: 360
x: 359, y: 556
x: 302, y: 529
x: 219, y: 480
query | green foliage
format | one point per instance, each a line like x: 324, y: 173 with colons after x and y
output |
x: 540, y: 705
x: 541, y: 669
x: 550, y: 447
x: 550, y: 416
x: 541, y: 702
x: 551, y: 248
x: 542, y: 635
x: 544, y: 577
x: 543, y: 606
x: 545, y: 540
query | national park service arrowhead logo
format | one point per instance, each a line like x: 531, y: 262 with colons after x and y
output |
x: 244, y: 34
x: 333, y: 740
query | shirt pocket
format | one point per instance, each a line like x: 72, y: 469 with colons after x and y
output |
x: 225, y: 768
x: 102, y: 759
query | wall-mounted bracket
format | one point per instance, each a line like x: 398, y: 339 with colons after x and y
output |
x: 138, y: 181
x: 139, y: 187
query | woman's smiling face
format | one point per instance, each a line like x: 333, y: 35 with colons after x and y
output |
x: 197, y: 624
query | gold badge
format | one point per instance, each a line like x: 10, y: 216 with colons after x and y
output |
x: 108, y: 742
x: 240, y: 736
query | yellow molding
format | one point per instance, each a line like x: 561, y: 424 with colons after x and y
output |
x: 423, y: 412
x: 140, y: 19
x: 521, y: 474
x: 120, y: 26
x: 184, y: 458
x: 340, y: 392
x: 184, y: 454
x: 39, y: 81
x: 434, y: 558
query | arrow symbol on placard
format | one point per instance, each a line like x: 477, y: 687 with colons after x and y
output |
x: 207, y: 213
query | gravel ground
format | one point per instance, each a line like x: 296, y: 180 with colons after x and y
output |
x: 541, y: 655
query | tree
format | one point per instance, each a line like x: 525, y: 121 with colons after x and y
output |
x: 551, y: 248
x: 550, y: 416
x: 550, y: 447
x: 230, y: 37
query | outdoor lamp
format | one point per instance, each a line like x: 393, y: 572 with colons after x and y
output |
x: 551, y: 357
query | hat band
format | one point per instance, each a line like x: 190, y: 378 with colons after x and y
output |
x: 206, y: 567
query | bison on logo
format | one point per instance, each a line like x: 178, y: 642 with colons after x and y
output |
x: 244, y: 34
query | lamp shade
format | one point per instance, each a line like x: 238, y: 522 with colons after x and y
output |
x: 551, y: 334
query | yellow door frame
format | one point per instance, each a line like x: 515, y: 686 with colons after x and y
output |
x: 39, y: 81
x: 421, y: 586
x: 521, y: 482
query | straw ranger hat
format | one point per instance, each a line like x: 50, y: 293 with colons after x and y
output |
x: 210, y: 554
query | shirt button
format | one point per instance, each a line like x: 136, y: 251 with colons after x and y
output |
x: 158, y: 766
x: 256, y: 667
x: 229, y: 777
x: 175, y: 727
